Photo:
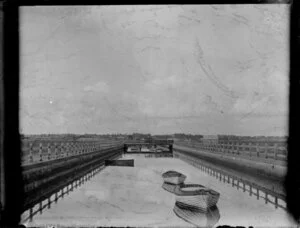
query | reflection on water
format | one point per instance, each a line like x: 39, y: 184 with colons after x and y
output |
x: 120, y: 162
x: 197, y: 217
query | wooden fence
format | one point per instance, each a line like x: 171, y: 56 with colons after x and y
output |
x: 256, y: 150
x: 269, y: 196
x: 59, y: 192
x: 35, y: 151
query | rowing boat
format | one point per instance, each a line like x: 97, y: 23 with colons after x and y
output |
x: 173, y: 177
x: 170, y: 187
x: 197, y: 217
x: 196, y: 196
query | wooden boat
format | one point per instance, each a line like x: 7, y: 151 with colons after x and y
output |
x: 173, y: 177
x: 196, y: 196
x: 170, y: 187
x: 121, y: 162
x: 197, y: 217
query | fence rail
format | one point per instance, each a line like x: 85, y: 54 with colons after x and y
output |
x: 269, y: 196
x: 257, y: 150
x: 35, y: 151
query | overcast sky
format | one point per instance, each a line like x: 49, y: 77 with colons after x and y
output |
x: 159, y: 69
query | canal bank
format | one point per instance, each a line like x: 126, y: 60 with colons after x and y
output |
x: 133, y: 196
x: 255, y: 168
x: 41, y: 180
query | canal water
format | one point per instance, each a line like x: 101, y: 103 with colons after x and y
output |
x: 133, y: 196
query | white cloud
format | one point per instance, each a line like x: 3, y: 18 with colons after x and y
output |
x: 133, y: 63
x: 100, y: 87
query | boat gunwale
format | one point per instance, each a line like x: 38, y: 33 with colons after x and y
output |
x: 172, y: 173
x: 203, y: 191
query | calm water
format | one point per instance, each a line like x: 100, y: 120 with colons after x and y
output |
x: 133, y: 196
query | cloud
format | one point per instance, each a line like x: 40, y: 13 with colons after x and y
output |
x: 131, y: 68
x: 162, y: 83
x: 100, y: 87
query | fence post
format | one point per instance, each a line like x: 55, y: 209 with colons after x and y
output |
x: 71, y: 148
x: 55, y: 150
x: 75, y: 148
x: 41, y: 207
x: 49, y: 151
x: 62, y: 151
x: 30, y: 214
x: 49, y: 202
x: 67, y: 149
x: 275, y: 151
x: 30, y: 152
x: 41, y: 151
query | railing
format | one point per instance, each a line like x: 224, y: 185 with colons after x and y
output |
x: 150, y: 141
x: 257, y: 150
x: 42, y: 181
x: 58, y: 193
x: 35, y: 151
x: 269, y: 196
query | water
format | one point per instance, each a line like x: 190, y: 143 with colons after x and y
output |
x: 243, y: 181
x: 133, y: 196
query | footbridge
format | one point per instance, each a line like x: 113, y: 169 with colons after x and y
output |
x: 150, y: 143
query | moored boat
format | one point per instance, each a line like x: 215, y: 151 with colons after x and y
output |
x: 197, y: 217
x: 170, y: 187
x: 173, y: 177
x: 196, y: 196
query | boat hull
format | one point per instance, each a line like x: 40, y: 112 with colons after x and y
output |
x: 170, y: 187
x: 173, y: 177
x: 197, y: 217
x: 201, y: 199
x: 175, y: 180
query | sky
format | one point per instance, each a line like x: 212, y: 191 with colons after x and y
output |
x: 159, y: 69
